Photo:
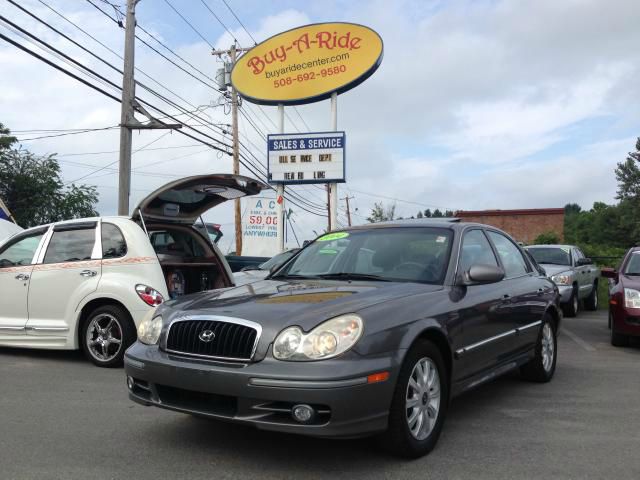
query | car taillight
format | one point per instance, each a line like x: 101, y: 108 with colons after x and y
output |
x: 149, y: 295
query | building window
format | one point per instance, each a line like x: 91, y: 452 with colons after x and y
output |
x: 325, y: 157
x: 305, y: 158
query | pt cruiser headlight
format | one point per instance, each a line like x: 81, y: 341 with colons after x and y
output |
x: 631, y: 298
x: 150, y: 328
x: 563, y: 278
x: 327, y: 340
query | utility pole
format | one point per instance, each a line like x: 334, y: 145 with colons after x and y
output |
x: 128, y: 121
x: 328, y: 187
x: 126, y: 113
x: 346, y: 199
x: 333, y: 187
x: 233, y: 55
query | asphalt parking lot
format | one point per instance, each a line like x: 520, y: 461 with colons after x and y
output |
x: 62, y: 418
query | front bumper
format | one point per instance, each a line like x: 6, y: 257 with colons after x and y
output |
x: 262, y: 394
x: 565, y: 293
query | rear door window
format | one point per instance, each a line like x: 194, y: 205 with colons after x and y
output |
x: 71, y: 245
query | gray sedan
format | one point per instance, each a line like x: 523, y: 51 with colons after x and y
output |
x: 370, y: 330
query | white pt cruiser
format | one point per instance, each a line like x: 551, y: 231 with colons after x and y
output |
x: 88, y: 283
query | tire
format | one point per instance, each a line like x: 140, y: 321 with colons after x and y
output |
x: 571, y: 308
x: 591, y: 302
x: 399, y: 439
x: 617, y: 339
x: 109, y: 327
x: 543, y: 365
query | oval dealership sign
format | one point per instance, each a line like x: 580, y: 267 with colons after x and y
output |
x: 308, y: 63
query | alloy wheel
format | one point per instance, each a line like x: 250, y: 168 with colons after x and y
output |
x: 423, y: 398
x: 548, y: 347
x: 104, y: 337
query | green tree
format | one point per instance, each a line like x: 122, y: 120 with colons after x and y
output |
x: 437, y: 213
x: 31, y: 187
x: 427, y: 213
x: 6, y: 140
x: 419, y: 215
x: 448, y: 213
x: 628, y: 175
x: 380, y: 213
x: 547, y: 238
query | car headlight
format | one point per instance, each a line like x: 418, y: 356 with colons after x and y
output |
x: 563, y: 278
x: 631, y: 298
x: 327, y: 340
x: 150, y: 328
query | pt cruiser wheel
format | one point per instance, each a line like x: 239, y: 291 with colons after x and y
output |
x: 106, y: 334
x: 419, y: 402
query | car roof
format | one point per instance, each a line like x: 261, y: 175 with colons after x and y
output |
x: 78, y: 220
x: 551, y: 246
x: 451, y: 223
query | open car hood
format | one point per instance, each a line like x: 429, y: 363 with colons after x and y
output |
x: 184, y: 200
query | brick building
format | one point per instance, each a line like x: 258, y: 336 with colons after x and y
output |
x: 523, y: 225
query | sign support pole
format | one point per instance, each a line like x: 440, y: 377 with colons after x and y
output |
x: 280, y: 188
x: 333, y: 187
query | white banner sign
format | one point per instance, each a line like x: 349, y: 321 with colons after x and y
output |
x: 260, y: 227
x: 306, y: 157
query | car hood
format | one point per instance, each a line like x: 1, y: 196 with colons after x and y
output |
x: 276, y: 304
x: 553, y: 269
x: 248, y: 276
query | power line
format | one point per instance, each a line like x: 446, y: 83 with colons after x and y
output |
x: 240, y: 22
x: 57, y: 67
x: 88, y: 130
x: 219, y: 21
x: 188, y: 23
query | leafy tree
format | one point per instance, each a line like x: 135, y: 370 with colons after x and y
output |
x: 437, y: 213
x: 420, y: 215
x: 427, y: 213
x: 547, y: 238
x: 628, y: 175
x: 31, y: 187
x: 448, y: 213
x: 572, y: 209
x: 380, y: 213
x: 6, y: 140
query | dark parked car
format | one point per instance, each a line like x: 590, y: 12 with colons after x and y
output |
x: 624, y: 298
x: 367, y: 330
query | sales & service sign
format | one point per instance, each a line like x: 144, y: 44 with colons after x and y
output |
x: 308, y: 64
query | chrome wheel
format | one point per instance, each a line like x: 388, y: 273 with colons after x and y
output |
x: 104, y: 337
x: 423, y: 398
x: 548, y: 347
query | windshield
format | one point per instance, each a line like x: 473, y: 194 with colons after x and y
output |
x: 418, y: 254
x: 551, y: 255
x: 633, y: 265
x: 277, y: 260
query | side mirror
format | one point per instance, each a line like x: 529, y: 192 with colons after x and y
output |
x: 480, y: 273
x: 584, y: 261
x: 608, y: 272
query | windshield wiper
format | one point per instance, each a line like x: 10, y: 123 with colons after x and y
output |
x: 353, y: 276
x: 633, y: 274
x: 554, y: 263
x: 294, y: 276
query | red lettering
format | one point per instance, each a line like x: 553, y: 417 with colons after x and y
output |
x: 343, y: 41
x: 355, y: 43
x: 302, y: 43
x: 323, y: 40
x: 256, y: 64
x: 281, y: 53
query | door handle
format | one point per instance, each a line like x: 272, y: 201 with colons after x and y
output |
x: 22, y: 276
x: 88, y: 273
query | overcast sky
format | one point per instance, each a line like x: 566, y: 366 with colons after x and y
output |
x: 477, y: 104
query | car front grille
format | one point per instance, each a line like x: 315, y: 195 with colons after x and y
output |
x: 226, y: 340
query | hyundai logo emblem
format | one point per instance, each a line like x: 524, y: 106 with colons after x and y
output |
x: 207, y: 336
